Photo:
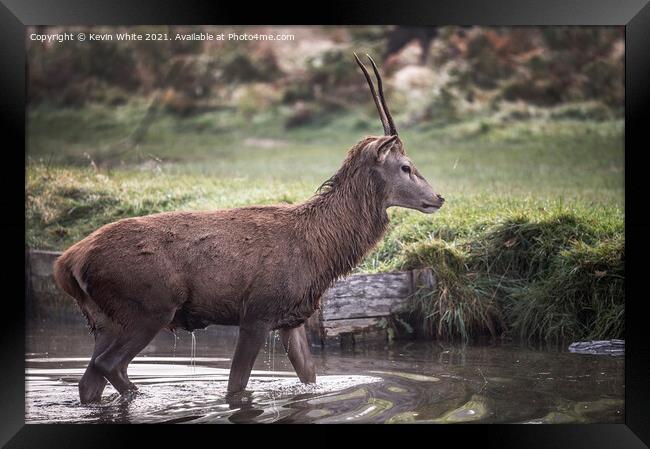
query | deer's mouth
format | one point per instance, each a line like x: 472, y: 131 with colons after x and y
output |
x: 430, y: 206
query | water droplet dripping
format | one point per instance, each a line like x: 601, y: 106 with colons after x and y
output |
x: 267, y: 348
x: 275, y: 335
x: 193, y: 353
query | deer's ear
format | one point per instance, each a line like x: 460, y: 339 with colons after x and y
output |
x: 383, y: 147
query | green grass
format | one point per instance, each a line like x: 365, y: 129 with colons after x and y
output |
x: 544, y: 158
x: 530, y: 241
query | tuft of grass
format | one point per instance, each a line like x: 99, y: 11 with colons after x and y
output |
x: 456, y: 306
x: 580, y: 297
x: 552, y: 277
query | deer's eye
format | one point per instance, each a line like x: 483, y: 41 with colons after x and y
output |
x: 406, y: 169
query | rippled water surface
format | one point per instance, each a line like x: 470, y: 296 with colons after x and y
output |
x: 380, y: 383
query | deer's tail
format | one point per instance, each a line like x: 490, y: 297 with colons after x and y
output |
x: 65, y: 278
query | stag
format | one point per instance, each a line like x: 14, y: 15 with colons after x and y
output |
x: 260, y: 268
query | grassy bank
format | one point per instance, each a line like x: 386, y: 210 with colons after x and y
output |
x: 538, y: 272
x: 530, y: 242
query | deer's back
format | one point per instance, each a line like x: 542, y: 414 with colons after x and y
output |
x: 209, y: 262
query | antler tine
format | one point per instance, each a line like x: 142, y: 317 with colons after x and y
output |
x: 389, y: 119
x: 382, y: 116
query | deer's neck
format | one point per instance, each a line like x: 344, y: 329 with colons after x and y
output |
x: 340, y: 227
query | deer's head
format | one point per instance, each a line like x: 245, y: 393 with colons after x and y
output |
x: 405, y: 186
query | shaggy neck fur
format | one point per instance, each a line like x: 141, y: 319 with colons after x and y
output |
x: 344, y: 220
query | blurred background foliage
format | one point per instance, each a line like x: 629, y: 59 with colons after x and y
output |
x: 451, y: 71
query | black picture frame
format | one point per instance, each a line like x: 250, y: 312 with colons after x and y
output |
x: 634, y: 15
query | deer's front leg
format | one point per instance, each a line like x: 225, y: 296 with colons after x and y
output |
x: 297, y: 347
x: 251, y: 338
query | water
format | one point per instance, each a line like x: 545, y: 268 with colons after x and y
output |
x: 183, y: 379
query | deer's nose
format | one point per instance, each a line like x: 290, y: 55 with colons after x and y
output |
x: 440, y: 198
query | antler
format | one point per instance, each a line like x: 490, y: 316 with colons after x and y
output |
x: 391, y: 125
x: 380, y: 101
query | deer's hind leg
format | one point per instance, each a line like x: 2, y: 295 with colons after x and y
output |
x: 93, y: 382
x: 297, y: 347
x: 114, y: 361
